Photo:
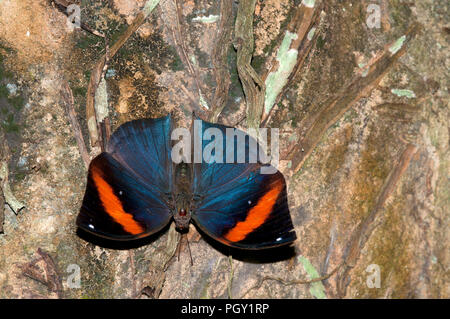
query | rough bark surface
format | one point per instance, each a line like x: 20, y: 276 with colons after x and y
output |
x: 364, y: 131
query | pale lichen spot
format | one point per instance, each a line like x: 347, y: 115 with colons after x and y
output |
x: 397, y: 45
x: 309, y: 3
x: 404, y: 93
x: 202, y: 100
x: 287, y: 59
x: 101, y: 101
x: 311, y: 33
x: 209, y: 19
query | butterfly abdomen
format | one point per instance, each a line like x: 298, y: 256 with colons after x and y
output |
x: 183, y: 195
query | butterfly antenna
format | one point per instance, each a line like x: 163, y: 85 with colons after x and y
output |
x: 189, y: 248
x: 179, y: 247
x: 178, y: 252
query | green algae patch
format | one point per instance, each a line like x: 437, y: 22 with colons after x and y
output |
x: 317, y: 289
x: 149, y: 6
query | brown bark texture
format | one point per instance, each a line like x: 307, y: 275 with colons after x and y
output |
x: 358, y: 90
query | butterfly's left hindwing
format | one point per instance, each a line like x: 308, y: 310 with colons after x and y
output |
x: 117, y: 205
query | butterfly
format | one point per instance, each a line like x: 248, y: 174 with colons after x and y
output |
x: 135, y: 188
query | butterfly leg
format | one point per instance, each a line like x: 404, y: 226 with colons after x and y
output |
x: 189, y: 248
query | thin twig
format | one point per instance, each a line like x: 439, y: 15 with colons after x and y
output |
x: 4, y: 157
x: 33, y: 272
x: 230, y: 281
x: 364, y: 230
x: 292, y: 282
x: 50, y: 278
x: 2, y: 205
x: 75, y: 126
x: 133, y: 273
x: 254, y: 87
x: 62, y: 5
x: 180, y: 46
x: 190, y: 96
x: 219, y: 58
x: 55, y: 282
x: 105, y: 130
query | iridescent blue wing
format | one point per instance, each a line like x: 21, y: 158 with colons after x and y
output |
x: 235, y: 203
x: 143, y: 147
x: 128, y: 185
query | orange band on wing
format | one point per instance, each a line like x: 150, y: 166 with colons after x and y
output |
x: 113, y: 206
x: 257, y: 215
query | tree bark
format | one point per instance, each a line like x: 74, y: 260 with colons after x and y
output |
x: 362, y: 110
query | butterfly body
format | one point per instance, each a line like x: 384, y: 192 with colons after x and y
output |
x: 135, y: 188
x: 182, y: 209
